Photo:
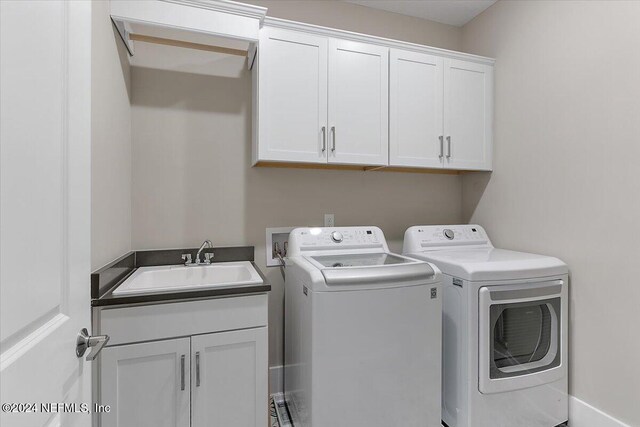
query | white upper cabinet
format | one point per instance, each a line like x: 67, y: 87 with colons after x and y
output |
x: 358, y: 103
x: 292, y: 101
x: 468, y: 115
x: 333, y: 97
x: 415, y: 109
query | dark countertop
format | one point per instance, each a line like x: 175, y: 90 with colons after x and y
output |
x: 105, y: 280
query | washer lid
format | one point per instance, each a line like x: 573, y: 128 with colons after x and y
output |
x: 379, y: 268
x: 359, y: 260
x: 493, y: 264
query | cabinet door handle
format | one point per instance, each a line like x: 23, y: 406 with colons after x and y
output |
x: 441, y: 155
x: 324, y: 139
x: 333, y: 132
x: 448, y: 147
x: 197, y: 369
x: 182, y: 372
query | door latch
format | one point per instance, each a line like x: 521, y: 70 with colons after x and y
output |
x: 85, y: 341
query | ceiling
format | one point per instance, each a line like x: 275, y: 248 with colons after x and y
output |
x: 452, y: 12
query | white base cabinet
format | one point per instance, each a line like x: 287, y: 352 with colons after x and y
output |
x: 193, y: 380
x: 229, y: 379
x: 147, y: 384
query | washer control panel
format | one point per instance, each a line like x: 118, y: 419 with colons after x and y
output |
x: 447, y: 235
x: 332, y: 238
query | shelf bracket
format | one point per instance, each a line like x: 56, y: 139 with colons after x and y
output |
x: 252, y: 54
x: 124, y: 35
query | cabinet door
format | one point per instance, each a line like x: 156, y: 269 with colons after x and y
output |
x: 292, y: 97
x: 415, y: 107
x: 358, y: 103
x: 468, y: 115
x: 229, y: 377
x: 147, y: 385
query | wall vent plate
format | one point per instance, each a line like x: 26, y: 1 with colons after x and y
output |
x: 279, y: 235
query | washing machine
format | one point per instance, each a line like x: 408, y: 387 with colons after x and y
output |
x: 504, y: 329
x: 362, y: 332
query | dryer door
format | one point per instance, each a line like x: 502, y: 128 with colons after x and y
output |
x: 520, y: 336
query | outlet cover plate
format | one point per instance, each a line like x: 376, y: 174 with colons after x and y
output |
x: 279, y: 235
x: 329, y: 220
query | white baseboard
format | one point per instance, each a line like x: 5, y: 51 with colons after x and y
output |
x: 581, y: 414
x: 276, y: 379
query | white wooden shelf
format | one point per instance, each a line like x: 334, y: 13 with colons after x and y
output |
x: 222, y: 27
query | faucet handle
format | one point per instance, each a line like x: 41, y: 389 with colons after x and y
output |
x: 208, y: 256
x: 186, y: 258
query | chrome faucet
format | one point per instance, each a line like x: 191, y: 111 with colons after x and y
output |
x: 208, y: 255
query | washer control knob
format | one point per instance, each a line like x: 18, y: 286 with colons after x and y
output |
x: 448, y: 233
x: 336, y: 236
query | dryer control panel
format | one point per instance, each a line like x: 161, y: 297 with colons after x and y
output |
x: 332, y: 238
x: 420, y: 237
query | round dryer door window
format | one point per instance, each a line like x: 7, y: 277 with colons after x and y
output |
x: 520, y: 336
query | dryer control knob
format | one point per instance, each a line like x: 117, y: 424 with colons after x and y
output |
x: 336, y: 236
x: 448, y: 233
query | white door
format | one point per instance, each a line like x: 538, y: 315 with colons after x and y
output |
x: 358, y: 103
x: 229, y: 379
x: 415, y: 109
x: 147, y: 384
x: 468, y: 115
x: 292, y: 87
x: 45, y: 133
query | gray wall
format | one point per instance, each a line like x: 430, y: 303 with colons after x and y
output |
x: 191, y: 162
x: 566, y: 182
x: 110, y: 141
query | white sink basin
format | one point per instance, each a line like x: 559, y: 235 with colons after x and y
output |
x: 178, y: 278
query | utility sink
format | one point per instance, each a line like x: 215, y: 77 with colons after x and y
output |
x: 179, y: 278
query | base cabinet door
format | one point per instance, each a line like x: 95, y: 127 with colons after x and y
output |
x: 229, y: 379
x: 358, y: 103
x: 468, y: 115
x: 415, y: 110
x: 146, y: 384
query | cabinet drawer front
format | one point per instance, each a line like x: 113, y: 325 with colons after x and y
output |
x: 160, y: 321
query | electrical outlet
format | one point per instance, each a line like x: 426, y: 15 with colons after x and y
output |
x: 277, y: 237
x: 329, y: 220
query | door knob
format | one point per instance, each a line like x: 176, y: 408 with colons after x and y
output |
x: 85, y: 341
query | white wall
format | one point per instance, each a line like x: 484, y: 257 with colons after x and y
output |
x: 110, y: 141
x: 566, y: 181
x: 191, y: 165
x: 360, y: 19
